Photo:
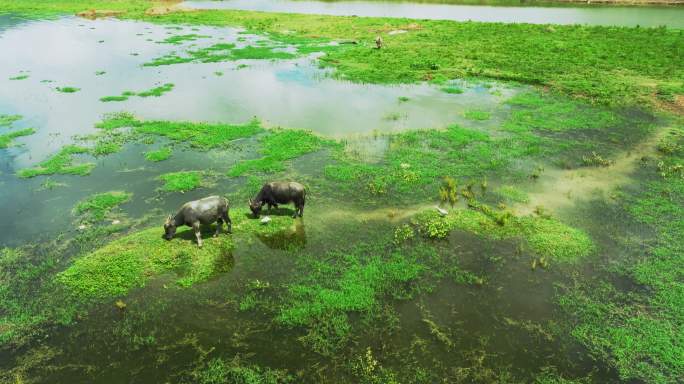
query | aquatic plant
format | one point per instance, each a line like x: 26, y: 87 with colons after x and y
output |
x: 278, y: 146
x: 67, y: 89
x: 181, y: 181
x: 199, y: 135
x: 452, y: 90
x: 448, y: 192
x: 547, y: 236
x: 178, y: 39
x: 19, y: 77
x: 6, y: 139
x: 156, y: 92
x: 476, y: 114
x: 596, y: 160
x: 61, y: 163
x: 97, y: 207
x: 8, y: 120
x: 513, y: 194
x: 158, y: 155
x: 219, y: 371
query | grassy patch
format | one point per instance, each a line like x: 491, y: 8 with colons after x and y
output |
x: 178, y: 39
x: 20, y: 77
x: 639, y: 332
x: 158, y: 155
x: 98, y: 206
x: 181, y: 181
x: 130, y: 261
x: 61, y: 163
x: 8, y: 120
x: 68, y: 89
x: 476, y: 114
x: 277, y: 147
x: 156, y: 92
x: 513, y: 194
x: 199, y: 135
x: 7, y: 138
x: 218, y: 371
x: 548, y: 237
x: 452, y: 90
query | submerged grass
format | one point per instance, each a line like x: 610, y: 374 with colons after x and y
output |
x: 547, y: 237
x: 98, y: 206
x: 68, y: 89
x: 156, y: 92
x: 640, y: 332
x: 158, y: 155
x: 6, y: 140
x: 278, y: 146
x: 199, y: 135
x: 8, y: 120
x: 61, y: 163
x: 181, y: 181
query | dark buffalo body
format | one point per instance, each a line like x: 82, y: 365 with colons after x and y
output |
x: 279, y: 192
x: 194, y: 213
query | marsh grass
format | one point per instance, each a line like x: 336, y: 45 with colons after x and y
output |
x: 477, y: 115
x: 19, y: 77
x: 61, y: 163
x: 182, y: 181
x: 97, y: 207
x: 158, y: 155
x: 67, y: 89
x: 6, y: 140
x: 8, y: 120
x: 156, y: 92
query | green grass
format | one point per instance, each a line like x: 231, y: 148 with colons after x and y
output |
x: 129, y: 262
x: 181, y: 181
x: 513, y: 194
x: 60, y: 163
x: 199, y: 135
x: 218, y: 371
x: 178, y: 39
x: 452, y: 90
x: 8, y: 120
x: 156, y: 92
x: 476, y: 114
x: 99, y: 73
x: 7, y: 138
x: 106, y: 147
x: 158, y: 155
x: 278, y: 146
x: 68, y: 89
x: 20, y: 77
x: 221, y: 52
x: 97, y: 207
x: 639, y: 332
x: 546, y: 236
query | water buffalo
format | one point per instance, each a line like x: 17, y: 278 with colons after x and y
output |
x: 194, y: 213
x: 279, y: 192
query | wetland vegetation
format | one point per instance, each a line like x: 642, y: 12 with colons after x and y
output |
x: 535, y: 238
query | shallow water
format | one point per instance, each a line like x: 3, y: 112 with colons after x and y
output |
x: 167, y: 331
x: 645, y: 16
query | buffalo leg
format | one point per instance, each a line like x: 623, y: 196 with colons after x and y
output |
x: 219, y: 226
x: 198, y: 233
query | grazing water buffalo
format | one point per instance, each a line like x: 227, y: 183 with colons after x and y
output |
x: 279, y: 192
x: 194, y: 213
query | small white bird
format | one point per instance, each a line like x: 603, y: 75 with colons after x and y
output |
x: 442, y: 212
x: 81, y: 227
x: 115, y: 222
x: 265, y: 220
